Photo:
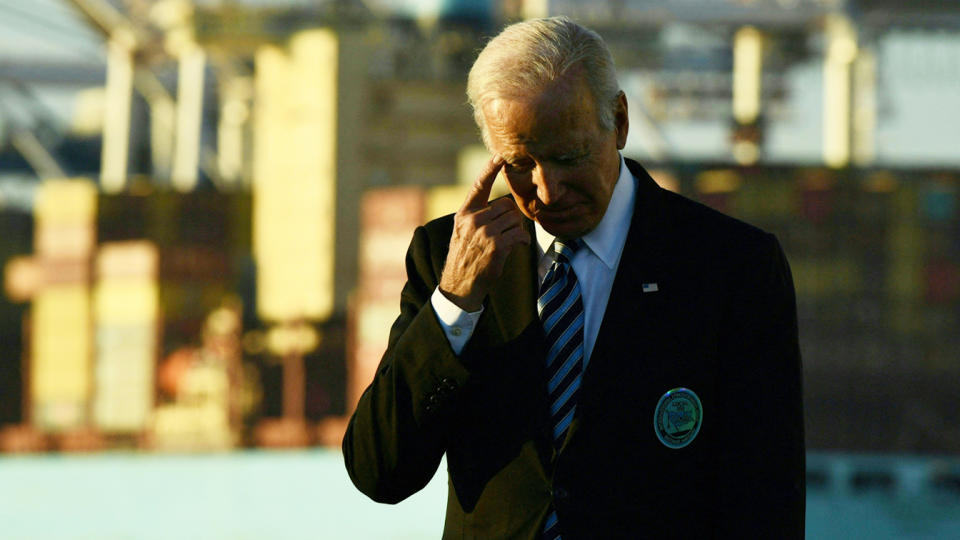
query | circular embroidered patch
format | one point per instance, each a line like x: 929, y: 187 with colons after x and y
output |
x: 677, y: 418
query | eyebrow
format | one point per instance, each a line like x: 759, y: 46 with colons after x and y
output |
x: 575, y: 151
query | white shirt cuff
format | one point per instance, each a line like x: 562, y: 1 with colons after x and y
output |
x: 457, y: 324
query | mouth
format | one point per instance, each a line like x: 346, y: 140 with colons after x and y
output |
x: 558, y: 211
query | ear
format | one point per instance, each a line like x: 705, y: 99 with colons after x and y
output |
x: 621, y: 120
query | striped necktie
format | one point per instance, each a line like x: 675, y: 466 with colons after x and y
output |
x: 561, y: 313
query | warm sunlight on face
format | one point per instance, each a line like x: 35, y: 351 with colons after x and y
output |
x: 561, y: 164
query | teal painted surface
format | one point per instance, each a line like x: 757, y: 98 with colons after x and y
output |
x: 883, y: 497
x: 233, y: 496
x: 307, y: 494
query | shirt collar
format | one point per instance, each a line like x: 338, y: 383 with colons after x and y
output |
x: 607, y: 238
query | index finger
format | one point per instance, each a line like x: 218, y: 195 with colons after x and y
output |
x: 480, y: 192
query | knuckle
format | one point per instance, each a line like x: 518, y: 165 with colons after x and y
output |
x: 468, y: 220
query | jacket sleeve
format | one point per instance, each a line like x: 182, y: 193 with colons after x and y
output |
x: 762, y: 462
x: 397, y: 435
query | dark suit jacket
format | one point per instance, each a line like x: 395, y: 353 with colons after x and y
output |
x: 722, y: 323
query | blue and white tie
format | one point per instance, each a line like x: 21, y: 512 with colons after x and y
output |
x: 561, y: 313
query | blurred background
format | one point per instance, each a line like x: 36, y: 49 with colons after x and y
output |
x: 204, y: 208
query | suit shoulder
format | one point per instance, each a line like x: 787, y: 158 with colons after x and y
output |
x: 441, y: 227
x: 715, y: 239
x: 711, y: 224
x: 692, y: 222
x: 430, y: 243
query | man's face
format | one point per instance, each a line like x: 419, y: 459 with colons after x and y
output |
x: 560, y: 164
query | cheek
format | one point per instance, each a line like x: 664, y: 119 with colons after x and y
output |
x: 584, y: 181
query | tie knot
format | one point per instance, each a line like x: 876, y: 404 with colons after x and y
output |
x: 566, y: 248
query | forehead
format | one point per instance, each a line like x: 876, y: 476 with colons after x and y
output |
x: 562, y: 117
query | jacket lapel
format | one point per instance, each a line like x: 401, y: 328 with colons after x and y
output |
x: 513, y: 300
x: 513, y: 317
x: 632, y: 297
x: 512, y: 304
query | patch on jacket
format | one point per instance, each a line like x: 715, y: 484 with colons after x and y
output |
x: 677, y: 417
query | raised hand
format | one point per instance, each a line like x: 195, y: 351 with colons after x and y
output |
x: 484, y: 234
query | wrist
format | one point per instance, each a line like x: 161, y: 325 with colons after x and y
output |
x: 467, y: 303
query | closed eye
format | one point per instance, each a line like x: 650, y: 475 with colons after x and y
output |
x: 570, y: 159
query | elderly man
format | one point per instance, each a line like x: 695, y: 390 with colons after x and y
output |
x: 597, y: 357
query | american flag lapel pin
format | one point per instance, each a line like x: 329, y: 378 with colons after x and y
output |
x: 650, y: 287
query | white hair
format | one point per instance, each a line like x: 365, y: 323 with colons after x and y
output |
x: 528, y: 56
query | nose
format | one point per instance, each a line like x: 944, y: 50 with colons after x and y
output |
x: 549, y: 187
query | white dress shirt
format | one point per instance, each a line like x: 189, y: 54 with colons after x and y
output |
x: 595, y: 268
